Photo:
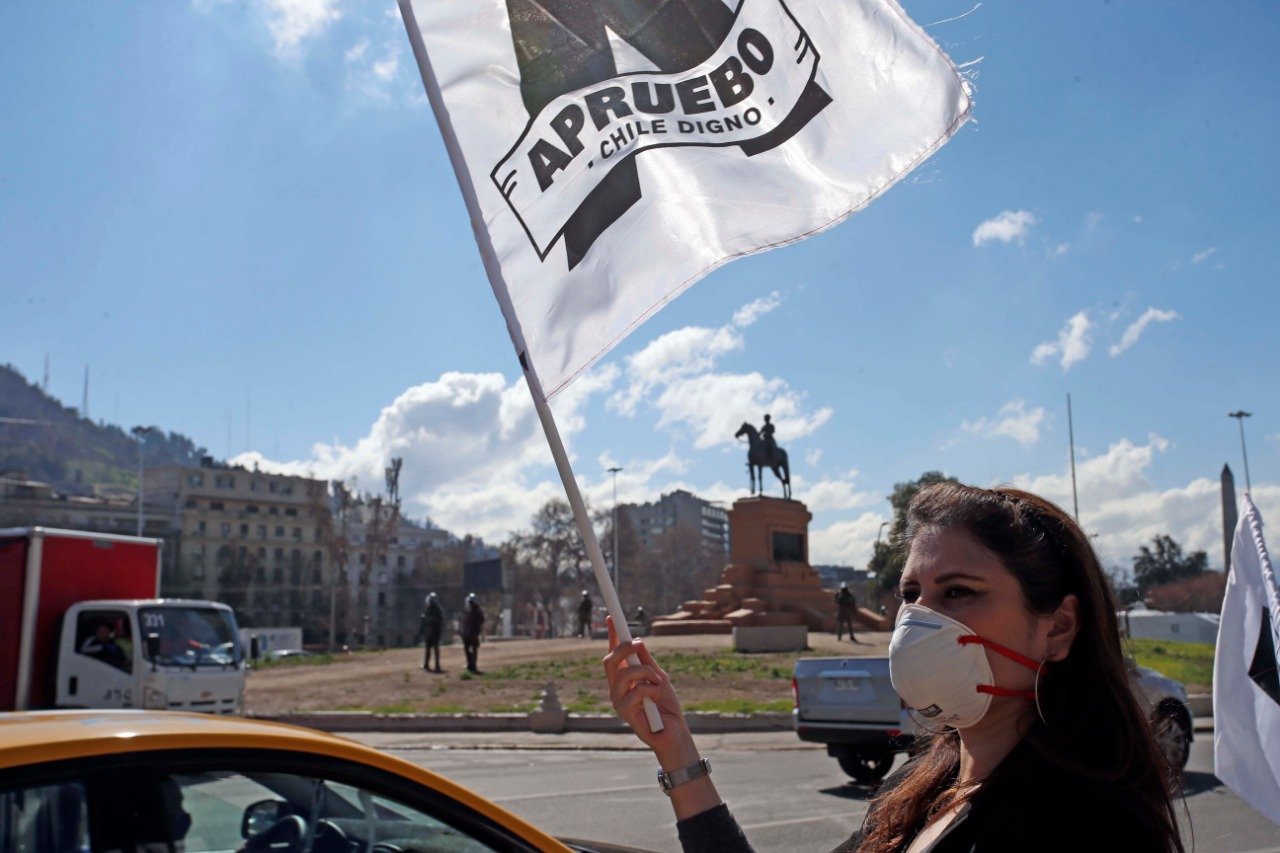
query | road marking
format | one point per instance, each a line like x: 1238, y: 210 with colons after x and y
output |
x: 843, y: 817
x: 514, y: 797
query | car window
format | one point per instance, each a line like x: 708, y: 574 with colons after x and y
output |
x: 256, y: 811
x: 50, y: 818
x: 385, y: 821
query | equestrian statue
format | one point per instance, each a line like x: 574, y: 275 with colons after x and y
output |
x: 763, y: 452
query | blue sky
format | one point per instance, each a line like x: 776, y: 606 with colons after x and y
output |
x: 219, y: 206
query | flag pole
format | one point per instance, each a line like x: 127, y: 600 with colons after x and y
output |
x: 494, y: 271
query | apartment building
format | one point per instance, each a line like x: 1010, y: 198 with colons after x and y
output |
x: 251, y: 539
x: 382, y: 550
x: 682, y: 510
x: 27, y: 503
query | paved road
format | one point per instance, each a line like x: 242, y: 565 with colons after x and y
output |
x: 788, y: 796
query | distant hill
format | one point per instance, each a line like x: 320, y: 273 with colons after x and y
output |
x: 50, y: 442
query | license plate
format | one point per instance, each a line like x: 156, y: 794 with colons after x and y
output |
x: 850, y: 684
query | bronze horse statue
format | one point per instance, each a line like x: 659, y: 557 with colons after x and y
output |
x: 759, y: 458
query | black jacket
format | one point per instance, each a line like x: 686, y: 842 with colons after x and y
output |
x: 1030, y: 805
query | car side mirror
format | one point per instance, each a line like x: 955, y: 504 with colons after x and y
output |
x: 153, y: 648
x: 261, y: 816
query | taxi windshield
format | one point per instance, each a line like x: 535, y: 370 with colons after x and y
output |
x: 191, y: 636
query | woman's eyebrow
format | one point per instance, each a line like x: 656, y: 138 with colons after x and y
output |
x: 951, y: 576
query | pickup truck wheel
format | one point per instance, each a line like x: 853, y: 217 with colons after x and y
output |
x: 866, y: 768
x: 1172, y: 727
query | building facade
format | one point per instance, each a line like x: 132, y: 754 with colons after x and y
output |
x: 281, y: 550
x: 29, y: 503
x: 383, y: 551
x: 253, y: 540
x: 679, y: 510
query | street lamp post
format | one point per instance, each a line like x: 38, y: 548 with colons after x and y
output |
x: 617, y: 574
x: 1240, y: 416
x: 140, y: 434
x: 883, y: 525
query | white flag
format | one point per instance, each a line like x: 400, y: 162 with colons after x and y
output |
x: 615, y: 151
x: 1246, y: 694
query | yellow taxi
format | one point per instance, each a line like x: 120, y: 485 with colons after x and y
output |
x: 146, y: 780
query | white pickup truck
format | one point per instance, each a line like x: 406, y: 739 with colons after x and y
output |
x: 849, y: 704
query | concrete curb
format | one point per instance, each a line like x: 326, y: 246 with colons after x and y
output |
x: 358, y: 721
x: 600, y: 724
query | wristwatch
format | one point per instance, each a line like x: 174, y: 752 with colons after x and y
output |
x: 667, y: 781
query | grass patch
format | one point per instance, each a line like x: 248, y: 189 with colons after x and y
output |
x: 741, y: 706
x: 514, y: 708
x: 548, y: 670
x: 1190, y: 663
x: 395, y: 708
x: 312, y: 660
x: 585, y: 702
x: 766, y: 666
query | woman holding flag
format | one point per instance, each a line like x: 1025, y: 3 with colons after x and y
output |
x: 1007, y: 647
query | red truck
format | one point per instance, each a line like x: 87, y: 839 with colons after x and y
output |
x: 82, y: 626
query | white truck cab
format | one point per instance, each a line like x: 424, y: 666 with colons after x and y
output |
x: 161, y: 654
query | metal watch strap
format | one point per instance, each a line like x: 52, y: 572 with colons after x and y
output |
x: 667, y: 781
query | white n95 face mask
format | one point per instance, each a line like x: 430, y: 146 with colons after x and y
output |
x: 940, y: 669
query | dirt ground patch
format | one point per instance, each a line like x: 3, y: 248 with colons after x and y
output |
x: 707, y: 673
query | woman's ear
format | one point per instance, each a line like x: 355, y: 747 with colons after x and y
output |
x: 1062, y: 631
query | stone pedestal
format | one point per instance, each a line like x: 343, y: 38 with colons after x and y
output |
x: 768, y: 581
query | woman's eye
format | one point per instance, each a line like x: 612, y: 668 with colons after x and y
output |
x: 909, y: 595
x: 958, y: 592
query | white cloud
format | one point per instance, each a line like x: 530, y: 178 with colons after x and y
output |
x: 387, y: 68
x: 1138, y: 219
x: 1122, y: 510
x: 1201, y: 257
x: 1094, y: 219
x: 475, y: 459
x: 714, y: 405
x: 1073, y: 344
x: 676, y: 374
x: 372, y: 72
x: 683, y: 352
x: 814, y: 456
x: 636, y: 480
x: 1013, y: 421
x: 294, y: 21
x: 845, y: 543
x: 828, y: 495
x: 1059, y: 250
x: 357, y: 51
x: 752, y: 311
x: 1135, y: 330
x: 1008, y: 226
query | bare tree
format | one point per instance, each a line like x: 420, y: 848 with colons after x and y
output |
x: 550, y: 561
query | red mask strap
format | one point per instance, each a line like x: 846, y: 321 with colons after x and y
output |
x: 1035, y: 666
x: 1005, y: 691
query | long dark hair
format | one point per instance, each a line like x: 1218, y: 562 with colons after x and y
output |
x: 1091, y: 722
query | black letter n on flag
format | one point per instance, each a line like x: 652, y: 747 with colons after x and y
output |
x: 561, y: 46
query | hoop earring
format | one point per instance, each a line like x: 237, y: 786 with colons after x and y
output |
x: 1036, y: 691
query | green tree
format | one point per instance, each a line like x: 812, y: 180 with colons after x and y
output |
x: 887, y: 560
x: 1164, y: 562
